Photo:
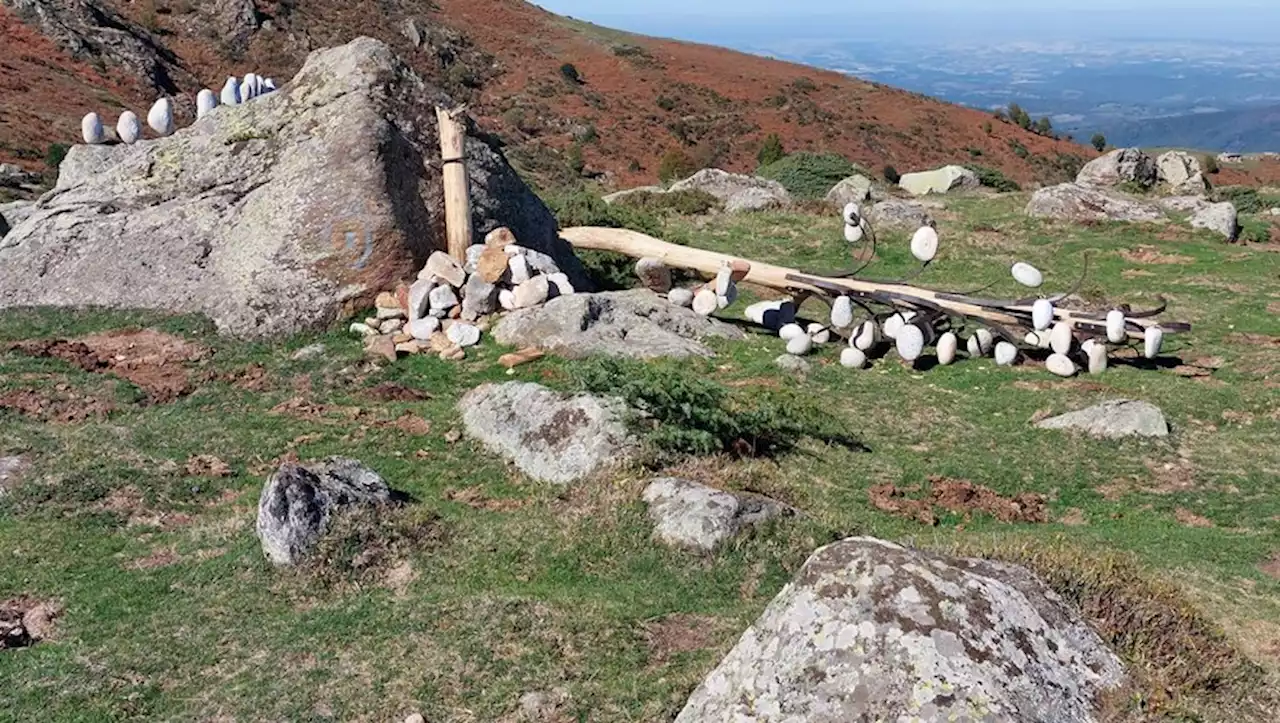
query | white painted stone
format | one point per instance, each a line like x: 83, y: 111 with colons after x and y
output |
x: 91, y: 129
x: 852, y: 358
x: 1027, y: 275
x: 129, y: 128
x: 422, y: 328
x: 518, y: 268
x: 1061, y: 365
x: 842, y: 312
x: 363, y: 329
x: 755, y: 312
x: 1088, y: 345
x: 269, y: 84
x: 1152, y: 341
x: 972, y: 346
x: 249, y: 87
x: 681, y: 297
x: 784, y: 314
x: 160, y: 117
x: 231, y: 91
x: 893, y: 325
x: 206, y: 101
x: 724, y: 278
x: 986, y: 341
x: 866, y: 336
x: 799, y: 345
x: 853, y: 233
x: 725, y: 300
x: 463, y: 335
x: 705, y: 302
x: 1116, y: 333
x: 1037, y: 339
x: 924, y: 244
x: 1097, y: 358
x: 532, y: 292
x: 560, y: 283
x: 851, y: 214
x: 1061, y: 338
x: 819, y: 333
x: 1042, y: 314
x: 910, y: 342
x: 442, y: 298
x: 507, y: 299
x: 947, y: 348
x: 790, y: 331
x: 1006, y: 354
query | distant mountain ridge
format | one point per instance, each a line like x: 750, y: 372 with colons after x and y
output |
x: 1249, y: 130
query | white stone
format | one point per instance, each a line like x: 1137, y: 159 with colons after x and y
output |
x: 420, y: 298
x: 1006, y: 353
x: 160, y: 117
x: 924, y: 244
x: 681, y: 297
x: 1152, y: 341
x: 724, y: 278
x: 463, y: 335
x: 893, y: 325
x: 853, y: 358
x: 1061, y: 338
x: 507, y: 299
x: 853, y: 233
x: 249, y: 87
x: 705, y: 302
x: 1088, y: 345
x: 791, y: 331
x: 941, y: 180
x: 947, y: 348
x: 129, y: 128
x: 363, y: 329
x: 973, y: 347
x: 518, y: 268
x: 1042, y: 314
x: 442, y: 298
x: 1097, y: 359
x: 852, y: 217
x: 910, y: 342
x: 1116, y: 332
x: 391, y: 326
x: 866, y: 336
x: 842, y: 312
x: 1037, y: 339
x: 725, y: 300
x: 755, y: 312
x: 561, y: 284
x: 1061, y: 365
x: 206, y: 101
x: 532, y: 292
x: 388, y: 312
x: 819, y: 333
x: 422, y: 328
x: 799, y: 345
x: 986, y: 341
x: 231, y: 91
x: 269, y: 84
x: 91, y: 129
x: 1027, y: 275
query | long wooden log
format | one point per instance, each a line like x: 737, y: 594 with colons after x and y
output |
x: 457, y: 194
x: 1010, y: 314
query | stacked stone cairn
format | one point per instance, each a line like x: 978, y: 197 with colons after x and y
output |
x: 160, y: 117
x: 452, y: 304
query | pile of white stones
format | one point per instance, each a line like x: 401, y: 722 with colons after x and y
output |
x: 452, y: 304
x: 160, y: 117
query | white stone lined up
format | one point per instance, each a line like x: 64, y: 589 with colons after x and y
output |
x: 161, y: 118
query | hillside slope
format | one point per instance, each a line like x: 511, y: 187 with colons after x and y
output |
x: 634, y: 98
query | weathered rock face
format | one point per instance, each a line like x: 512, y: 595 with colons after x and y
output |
x: 854, y: 189
x: 549, y: 436
x: 907, y: 215
x: 13, y: 177
x: 14, y: 213
x: 637, y: 324
x: 870, y: 630
x: 942, y: 180
x: 270, y: 217
x: 1113, y: 420
x: 737, y: 192
x: 1220, y: 217
x: 299, y: 502
x: 1073, y: 202
x: 1182, y: 204
x: 639, y: 191
x: 1182, y: 172
x: 1123, y: 165
x: 696, y: 517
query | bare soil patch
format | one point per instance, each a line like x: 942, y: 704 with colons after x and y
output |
x: 958, y: 496
x: 207, y: 465
x: 477, y: 498
x: 56, y: 406
x: 1151, y: 255
x: 25, y: 621
x: 678, y: 633
x: 392, y: 392
x: 1074, y: 517
x: 1191, y: 519
x: 1271, y: 568
x: 157, y: 559
x: 153, y: 361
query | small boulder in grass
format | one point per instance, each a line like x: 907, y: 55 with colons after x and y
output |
x: 1113, y: 420
x: 695, y: 517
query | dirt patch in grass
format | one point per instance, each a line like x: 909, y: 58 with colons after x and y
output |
x: 152, y: 360
x: 669, y: 636
x: 157, y: 559
x: 56, y: 406
x: 207, y: 465
x: 1271, y: 568
x: 25, y: 621
x: 252, y: 378
x: 1074, y: 517
x: 1190, y: 519
x: 957, y: 496
x: 1170, y: 477
x: 477, y: 498
x: 412, y: 424
x: 1151, y: 255
x: 1135, y: 273
x: 131, y: 504
x: 1254, y: 340
x: 392, y: 392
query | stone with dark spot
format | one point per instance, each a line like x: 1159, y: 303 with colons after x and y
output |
x: 700, y: 518
x: 549, y: 436
x: 870, y: 630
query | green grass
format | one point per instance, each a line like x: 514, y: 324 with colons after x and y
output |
x: 518, y: 586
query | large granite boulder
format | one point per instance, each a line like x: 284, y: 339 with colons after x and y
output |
x: 854, y: 189
x: 282, y: 214
x: 738, y: 192
x: 1220, y: 217
x: 1123, y: 165
x: 897, y: 214
x: 872, y: 631
x: 1074, y: 202
x: 14, y: 213
x: 1115, y: 419
x: 1181, y: 171
x: 941, y: 180
x: 636, y: 323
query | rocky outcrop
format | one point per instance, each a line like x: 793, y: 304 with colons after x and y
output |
x: 640, y: 191
x: 1123, y: 165
x: 870, y: 630
x: 549, y: 436
x: 1219, y: 217
x: 1074, y: 202
x: 942, y: 180
x: 299, y: 502
x: 1113, y: 420
x: 700, y: 518
x: 738, y: 193
x: 854, y: 189
x: 895, y: 214
x: 283, y: 214
x: 1181, y: 172
x: 637, y: 324
x: 1182, y: 204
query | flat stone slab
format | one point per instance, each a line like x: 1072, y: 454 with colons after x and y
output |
x: 1114, y: 419
x: 696, y: 517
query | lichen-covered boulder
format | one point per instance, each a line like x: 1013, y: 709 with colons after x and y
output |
x: 695, y: 517
x: 941, y: 180
x: 872, y: 631
x: 739, y: 193
x: 1074, y: 202
x: 1220, y: 217
x: 854, y: 189
x: 1123, y: 165
x: 1114, y: 419
x: 1181, y: 171
x: 896, y: 214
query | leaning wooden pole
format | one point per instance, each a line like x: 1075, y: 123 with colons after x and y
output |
x: 457, y: 194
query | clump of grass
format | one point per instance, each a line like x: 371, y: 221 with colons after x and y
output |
x: 995, y: 179
x: 809, y: 175
x: 362, y: 544
x: 691, y: 202
x: 583, y: 208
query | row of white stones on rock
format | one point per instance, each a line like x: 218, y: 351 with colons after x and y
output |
x: 160, y: 117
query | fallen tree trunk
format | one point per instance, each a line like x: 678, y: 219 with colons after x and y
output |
x: 1001, y: 315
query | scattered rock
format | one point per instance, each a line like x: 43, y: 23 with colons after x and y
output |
x: 11, y: 469
x: 492, y: 264
x: 309, y: 352
x: 1183, y: 204
x: 854, y: 189
x: 1182, y: 172
x: 532, y: 292
x: 1219, y: 217
x: 700, y: 518
x: 422, y: 329
x: 654, y: 274
x: 792, y: 363
x: 895, y: 214
x: 942, y: 180
x: 299, y: 501
x: 1123, y: 165
x: 870, y: 630
x: 549, y: 436
x: 641, y: 191
x: 1113, y: 420
x: 1074, y: 202
x: 444, y: 268
x: 463, y: 335
x: 442, y: 298
x: 479, y: 297
x: 738, y: 193
x: 636, y: 323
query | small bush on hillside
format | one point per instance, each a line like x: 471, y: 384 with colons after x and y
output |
x: 583, y: 208
x: 1209, y: 163
x: 994, y: 178
x: 675, y: 165
x: 1099, y: 142
x: 57, y: 151
x: 690, y: 202
x: 804, y: 85
x: 891, y: 175
x: 1254, y: 230
x: 809, y: 175
x: 771, y: 151
x: 666, y: 103
x: 570, y: 73
x: 1018, y: 149
x: 577, y: 164
x: 1246, y: 199
x: 986, y: 127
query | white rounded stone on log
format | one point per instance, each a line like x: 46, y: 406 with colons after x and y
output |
x: 799, y: 345
x: 681, y: 297
x: 947, y: 348
x: 986, y: 341
x: 231, y: 91
x: 206, y: 101
x: 129, y: 128
x: 422, y: 328
x: 842, y: 312
x: 924, y: 244
x: 1061, y: 338
x: 654, y: 274
x: 507, y: 299
x: 463, y: 335
x: 910, y: 342
x: 851, y: 215
x: 755, y: 312
x: 853, y: 233
x: 790, y: 331
x: 1027, y: 275
x: 852, y: 358
x: 1042, y: 314
x: 1006, y: 354
x: 866, y: 336
x: 1152, y: 341
x: 1061, y: 365
x: 724, y: 278
x: 705, y: 302
x: 819, y: 333
x: 249, y: 87
x: 1116, y: 333
x: 91, y: 129
x: 1097, y: 358
x: 160, y: 117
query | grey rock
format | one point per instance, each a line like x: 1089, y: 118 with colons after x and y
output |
x: 1113, y: 420
x: 410, y: 30
x: 754, y: 199
x: 299, y: 501
x: 1181, y: 171
x: 1074, y: 202
x: 696, y: 517
x: 636, y: 323
x: 792, y: 363
x: 870, y: 630
x: 518, y: 271
x: 551, y: 437
x: 738, y: 193
x: 14, y: 213
x: 442, y: 298
x: 479, y: 297
x: 11, y: 469
x: 942, y: 180
x: 1219, y: 217
x: 1183, y: 204
x: 473, y: 257
x: 12, y: 176
x: 541, y: 263
x: 640, y: 191
x: 308, y: 352
x: 1123, y: 165
x: 895, y: 214
x: 854, y: 189
x: 264, y: 217
x: 464, y: 335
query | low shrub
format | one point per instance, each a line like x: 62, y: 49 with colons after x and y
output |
x: 809, y: 175
x: 583, y: 208
x: 692, y: 202
x: 57, y: 151
x: 995, y: 179
x: 1246, y: 200
x: 674, y: 165
x: 891, y: 175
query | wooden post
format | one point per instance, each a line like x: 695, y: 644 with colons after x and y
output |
x: 457, y: 194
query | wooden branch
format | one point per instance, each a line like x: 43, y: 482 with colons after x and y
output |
x: 988, y: 311
x: 457, y: 194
